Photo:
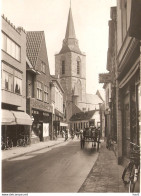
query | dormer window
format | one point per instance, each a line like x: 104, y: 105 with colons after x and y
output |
x: 63, y: 67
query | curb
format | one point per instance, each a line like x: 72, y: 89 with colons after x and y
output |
x: 32, y: 151
x: 81, y: 187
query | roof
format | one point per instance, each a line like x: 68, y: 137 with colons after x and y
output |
x: 93, y: 99
x: 101, y: 94
x: 70, y: 43
x: 53, y: 78
x: 75, y: 109
x: 70, y: 31
x: 83, y: 115
x: 33, y: 44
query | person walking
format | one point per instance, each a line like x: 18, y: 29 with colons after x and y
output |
x: 66, y: 135
x: 82, y: 138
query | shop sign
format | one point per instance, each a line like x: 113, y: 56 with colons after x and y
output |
x: 45, y: 129
x: 40, y: 105
x: 105, y: 78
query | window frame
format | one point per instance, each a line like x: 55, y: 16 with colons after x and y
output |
x: 78, y: 67
x: 63, y: 67
x: 7, y: 46
x: 43, y: 67
x: 8, y: 84
x: 45, y: 94
x: 20, y: 85
x: 39, y: 91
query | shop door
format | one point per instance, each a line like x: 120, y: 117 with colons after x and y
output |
x: 126, y: 127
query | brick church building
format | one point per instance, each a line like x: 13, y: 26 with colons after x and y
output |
x: 70, y: 67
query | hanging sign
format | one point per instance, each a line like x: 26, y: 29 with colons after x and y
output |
x: 105, y: 78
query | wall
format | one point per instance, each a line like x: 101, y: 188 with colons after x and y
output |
x: 20, y: 39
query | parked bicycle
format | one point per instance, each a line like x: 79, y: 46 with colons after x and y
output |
x: 23, y: 141
x: 131, y: 173
x: 6, y: 144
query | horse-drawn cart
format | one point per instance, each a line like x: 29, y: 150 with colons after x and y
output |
x: 91, y: 134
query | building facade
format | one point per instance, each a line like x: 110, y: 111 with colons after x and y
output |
x: 83, y: 120
x: 38, y: 103
x: 59, y: 121
x: 123, y: 63
x: 109, y: 79
x: 128, y: 75
x: 15, y: 121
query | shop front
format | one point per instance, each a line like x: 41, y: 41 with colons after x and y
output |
x: 130, y: 113
x: 41, y: 125
x: 14, y: 125
x: 59, y: 128
x: 41, y: 114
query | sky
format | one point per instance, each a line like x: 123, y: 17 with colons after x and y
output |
x: 90, y: 22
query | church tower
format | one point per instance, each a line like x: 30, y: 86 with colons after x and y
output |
x: 70, y: 67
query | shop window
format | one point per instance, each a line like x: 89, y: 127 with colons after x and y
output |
x: 17, y: 85
x: 39, y: 90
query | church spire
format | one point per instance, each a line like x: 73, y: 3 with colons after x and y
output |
x: 70, y: 43
x: 70, y: 31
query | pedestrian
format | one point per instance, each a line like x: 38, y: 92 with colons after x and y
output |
x: 72, y: 133
x: 66, y: 135
x: 82, y: 139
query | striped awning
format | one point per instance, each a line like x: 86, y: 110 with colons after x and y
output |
x: 8, y: 118
x: 22, y: 118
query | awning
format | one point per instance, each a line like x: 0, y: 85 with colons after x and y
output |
x: 8, y: 118
x: 63, y: 124
x: 22, y: 118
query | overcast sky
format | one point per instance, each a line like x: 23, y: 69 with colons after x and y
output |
x: 91, y: 27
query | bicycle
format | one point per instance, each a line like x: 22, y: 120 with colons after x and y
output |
x: 132, y: 170
x: 7, y: 144
x: 23, y: 141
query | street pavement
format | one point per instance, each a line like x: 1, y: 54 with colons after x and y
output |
x: 19, y: 151
x: 105, y: 175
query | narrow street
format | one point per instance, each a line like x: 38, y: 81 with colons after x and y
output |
x: 59, y: 169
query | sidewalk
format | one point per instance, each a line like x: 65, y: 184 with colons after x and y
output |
x: 18, y: 151
x: 105, y: 175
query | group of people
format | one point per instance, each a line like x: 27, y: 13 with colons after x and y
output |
x: 78, y: 133
x: 81, y: 133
